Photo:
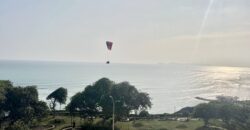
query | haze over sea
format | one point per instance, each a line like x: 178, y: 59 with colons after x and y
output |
x: 171, y: 86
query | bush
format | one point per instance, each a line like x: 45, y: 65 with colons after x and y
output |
x: 18, y: 125
x: 104, y: 122
x: 163, y: 129
x: 57, y: 121
x: 144, y: 114
x: 207, y: 128
x: 95, y: 127
x: 137, y: 124
x: 182, y: 126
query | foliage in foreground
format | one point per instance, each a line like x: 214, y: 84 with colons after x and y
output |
x: 18, y: 125
x: 20, y: 104
x: 234, y: 114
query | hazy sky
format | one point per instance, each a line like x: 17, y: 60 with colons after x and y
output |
x: 143, y: 31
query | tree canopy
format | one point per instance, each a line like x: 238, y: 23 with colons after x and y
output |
x: 205, y: 111
x: 234, y: 114
x: 96, y: 99
x: 21, y: 103
x: 4, y: 84
x: 57, y: 96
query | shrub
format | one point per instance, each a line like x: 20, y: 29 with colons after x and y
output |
x: 138, y: 124
x: 144, y: 113
x: 18, y: 125
x: 181, y: 126
x: 57, y: 121
x: 207, y: 128
x: 163, y: 129
x: 104, y: 122
x: 95, y: 127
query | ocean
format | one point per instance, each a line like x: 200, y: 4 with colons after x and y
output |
x: 171, y: 86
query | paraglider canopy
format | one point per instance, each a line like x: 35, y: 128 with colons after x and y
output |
x: 109, y: 45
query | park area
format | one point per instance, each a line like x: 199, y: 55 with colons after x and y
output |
x: 64, y: 123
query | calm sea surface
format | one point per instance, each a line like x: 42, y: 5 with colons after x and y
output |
x: 171, y: 86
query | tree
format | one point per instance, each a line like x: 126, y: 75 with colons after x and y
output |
x: 4, y: 85
x: 96, y: 98
x: 76, y: 104
x: 41, y: 109
x: 127, y: 98
x: 227, y: 99
x: 235, y: 116
x: 57, y: 96
x: 144, y: 113
x: 144, y: 101
x: 206, y: 111
x: 22, y: 104
x: 86, y: 102
x: 18, y: 125
x: 19, y: 100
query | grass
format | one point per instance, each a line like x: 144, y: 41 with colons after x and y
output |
x: 66, y: 119
x: 159, y: 125
x: 136, y: 125
x: 59, y: 126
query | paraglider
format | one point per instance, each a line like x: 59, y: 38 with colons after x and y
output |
x: 109, y: 46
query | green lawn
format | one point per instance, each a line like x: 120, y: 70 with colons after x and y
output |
x: 159, y: 125
x: 136, y: 125
x: 59, y: 126
x: 67, y: 121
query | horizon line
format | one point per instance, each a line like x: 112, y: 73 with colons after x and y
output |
x: 129, y: 63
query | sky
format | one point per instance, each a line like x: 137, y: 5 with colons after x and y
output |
x: 213, y: 32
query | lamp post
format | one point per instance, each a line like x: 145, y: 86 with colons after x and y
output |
x: 113, y: 125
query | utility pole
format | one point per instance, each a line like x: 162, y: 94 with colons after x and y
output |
x: 113, y: 125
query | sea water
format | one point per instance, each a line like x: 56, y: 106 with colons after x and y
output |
x: 171, y: 86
